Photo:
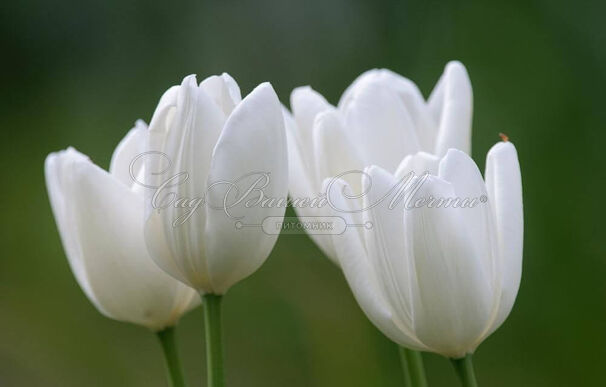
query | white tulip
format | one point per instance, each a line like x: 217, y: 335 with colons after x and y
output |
x: 431, y: 278
x: 100, y: 220
x: 209, y: 135
x: 381, y: 118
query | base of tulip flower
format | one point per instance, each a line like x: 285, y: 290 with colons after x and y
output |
x: 464, y: 368
x: 211, y: 303
x: 168, y: 340
x: 413, y: 368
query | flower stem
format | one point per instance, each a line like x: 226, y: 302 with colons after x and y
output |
x: 464, y: 368
x: 171, y: 356
x: 412, y: 365
x: 214, y: 345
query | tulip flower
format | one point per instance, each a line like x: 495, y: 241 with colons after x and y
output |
x: 380, y: 119
x: 435, y: 277
x: 100, y: 220
x: 211, y: 147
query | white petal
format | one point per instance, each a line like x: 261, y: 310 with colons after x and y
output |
x: 451, y: 103
x: 186, y: 136
x: 107, y: 221
x: 301, y: 185
x: 453, y: 299
x: 131, y: 146
x: 190, y: 134
x: 58, y: 169
x: 163, y: 113
x: 306, y: 104
x: 359, y: 271
x: 462, y: 172
x: 335, y: 155
x: 380, y: 126
x: 424, y: 125
x: 504, y: 184
x: 301, y: 173
x: 419, y: 163
x: 253, y: 141
x: 388, y: 245
x: 387, y: 78
x: 347, y: 95
x: 224, y: 90
x: 178, y: 249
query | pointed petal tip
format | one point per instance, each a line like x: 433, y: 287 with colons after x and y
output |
x: 371, y: 73
x: 375, y: 74
x: 225, y: 74
x: 299, y: 93
x: 265, y: 89
x: 190, y: 80
x: 301, y: 89
x: 140, y: 124
x: 455, y: 66
x: 501, y: 147
x: 69, y: 152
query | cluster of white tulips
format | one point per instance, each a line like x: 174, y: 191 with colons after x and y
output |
x: 169, y: 227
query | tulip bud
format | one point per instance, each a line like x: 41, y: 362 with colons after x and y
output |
x: 201, y: 229
x: 442, y: 273
x: 100, y: 220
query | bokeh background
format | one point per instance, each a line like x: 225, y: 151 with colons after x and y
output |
x: 80, y: 73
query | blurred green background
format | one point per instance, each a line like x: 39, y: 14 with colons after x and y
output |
x: 80, y: 73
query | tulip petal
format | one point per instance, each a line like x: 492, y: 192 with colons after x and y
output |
x: 504, y: 184
x: 359, y: 270
x: 224, y: 90
x: 188, y: 134
x: 185, y: 128
x: 462, y: 172
x: 131, y: 146
x: 453, y: 299
x: 425, y: 126
x: 335, y: 155
x: 306, y: 104
x: 300, y: 173
x: 388, y: 247
x: 107, y: 220
x: 58, y: 169
x: 380, y: 125
x: 301, y: 186
x: 165, y: 110
x: 451, y: 103
x: 419, y: 163
x: 252, y: 143
x: 387, y: 78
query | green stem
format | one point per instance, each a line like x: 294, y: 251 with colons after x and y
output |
x: 412, y: 365
x: 464, y: 368
x: 405, y: 370
x: 171, y: 356
x: 214, y: 345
